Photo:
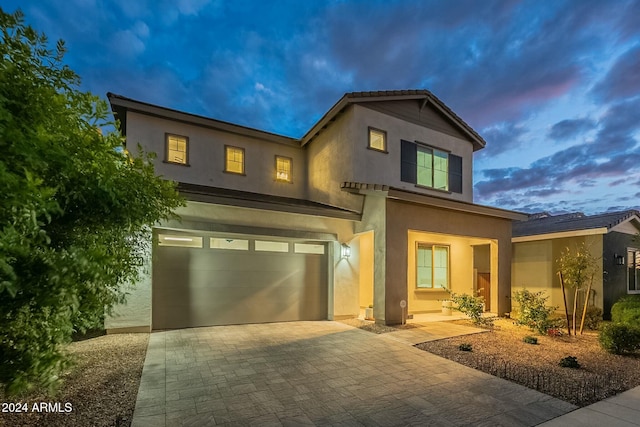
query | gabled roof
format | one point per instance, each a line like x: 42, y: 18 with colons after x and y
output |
x: 120, y: 104
x: 390, y: 95
x: 541, y: 224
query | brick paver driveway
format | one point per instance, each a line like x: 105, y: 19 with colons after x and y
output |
x: 320, y: 373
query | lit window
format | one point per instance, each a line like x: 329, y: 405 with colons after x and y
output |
x: 267, y: 246
x: 183, y: 241
x: 308, y: 248
x: 234, y: 244
x: 283, y: 169
x: 177, y: 149
x: 377, y: 139
x: 234, y: 159
x: 433, y: 168
x: 432, y: 266
x: 633, y: 270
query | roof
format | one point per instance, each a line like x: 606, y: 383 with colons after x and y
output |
x: 388, y: 95
x: 120, y: 104
x: 544, y: 223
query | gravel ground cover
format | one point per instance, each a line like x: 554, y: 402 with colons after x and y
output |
x: 503, y: 353
x: 100, y: 390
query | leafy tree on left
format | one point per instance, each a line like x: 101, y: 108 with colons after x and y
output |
x: 75, y: 211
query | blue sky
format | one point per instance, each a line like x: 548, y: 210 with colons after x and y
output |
x: 553, y: 86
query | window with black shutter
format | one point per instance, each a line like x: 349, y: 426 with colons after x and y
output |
x: 429, y: 167
x: 409, y: 161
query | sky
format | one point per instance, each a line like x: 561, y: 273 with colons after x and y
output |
x: 553, y: 86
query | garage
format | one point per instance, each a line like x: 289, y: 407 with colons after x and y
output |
x: 222, y: 279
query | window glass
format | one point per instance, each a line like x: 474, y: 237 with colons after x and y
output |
x: 179, y: 241
x: 440, y: 170
x: 283, y: 169
x: 377, y: 139
x: 633, y: 270
x: 234, y: 160
x: 177, y: 149
x: 235, y: 244
x: 307, y: 248
x: 432, y: 266
x: 425, y: 167
x: 266, y: 246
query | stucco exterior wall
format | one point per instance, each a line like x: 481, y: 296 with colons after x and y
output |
x: 404, y: 216
x: 206, y: 157
x: 616, y: 280
x: 375, y: 167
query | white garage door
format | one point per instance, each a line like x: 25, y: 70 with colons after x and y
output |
x: 206, y: 280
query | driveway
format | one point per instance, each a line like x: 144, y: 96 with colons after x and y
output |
x: 320, y: 373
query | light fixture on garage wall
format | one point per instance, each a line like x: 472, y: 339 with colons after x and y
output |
x: 619, y: 259
x: 346, y: 250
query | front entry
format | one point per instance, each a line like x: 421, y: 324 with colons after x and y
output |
x: 483, y: 283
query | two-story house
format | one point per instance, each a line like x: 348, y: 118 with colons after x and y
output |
x: 373, y: 205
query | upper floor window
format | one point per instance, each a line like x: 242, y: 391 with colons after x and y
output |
x: 176, y: 148
x: 234, y: 159
x: 377, y: 139
x: 430, y: 167
x: 283, y: 168
x: 633, y: 271
x: 432, y: 266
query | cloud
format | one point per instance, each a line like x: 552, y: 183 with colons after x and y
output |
x: 570, y: 128
x: 502, y: 137
x: 623, y: 79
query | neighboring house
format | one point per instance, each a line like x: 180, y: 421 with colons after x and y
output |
x: 611, y: 238
x: 373, y: 205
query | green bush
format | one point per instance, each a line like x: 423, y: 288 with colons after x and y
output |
x: 472, y: 306
x: 626, y: 310
x: 569, y: 362
x: 530, y: 340
x: 593, y: 318
x: 533, y: 312
x: 619, y: 338
x: 465, y: 347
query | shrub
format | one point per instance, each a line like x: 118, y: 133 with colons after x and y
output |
x: 472, y: 306
x: 593, y: 318
x: 569, y: 362
x: 533, y: 312
x: 626, y: 310
x: 465, y: 347
x: 618, y: 338
x: 530, y: 340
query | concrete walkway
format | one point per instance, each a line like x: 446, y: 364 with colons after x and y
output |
x: 320, y: 373
x: 618, y: 411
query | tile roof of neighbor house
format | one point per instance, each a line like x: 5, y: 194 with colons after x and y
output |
x: 385, y: 95
x: 543, y: 223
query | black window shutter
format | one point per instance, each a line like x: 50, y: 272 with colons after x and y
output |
x: 455, y: 173
x: 409, y: 161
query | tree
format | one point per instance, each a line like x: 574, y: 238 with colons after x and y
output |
x: 75, y: 209
x: 577, y: 270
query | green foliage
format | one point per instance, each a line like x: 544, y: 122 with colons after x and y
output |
x: 473, y: 307
x: 593, y: 317
x: 626, y: 310
x: 530, y: 340
x: 533, y: 312
x: 619, y: 338
x: 577, y: 266
x: 465, y: 347
x: 569, y: 362
x: 75, y: 214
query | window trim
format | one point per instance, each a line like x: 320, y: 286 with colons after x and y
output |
x: 635, y: 251
x: 167, y: 135
x: 384, y: 140
x: 432, y: 246
x: 290, y: 180
x: 244, y: 160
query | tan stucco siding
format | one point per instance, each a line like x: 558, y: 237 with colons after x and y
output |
x: 374, y: 167
x: 403, y: 216
x: 535, y: 268
x: 330, y: 162
x: 206, y: 157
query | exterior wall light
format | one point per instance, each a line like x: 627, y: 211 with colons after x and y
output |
x: 346, y: 250
x: 619, y: 259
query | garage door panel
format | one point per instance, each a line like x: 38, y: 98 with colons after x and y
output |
x: 201, y: 287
